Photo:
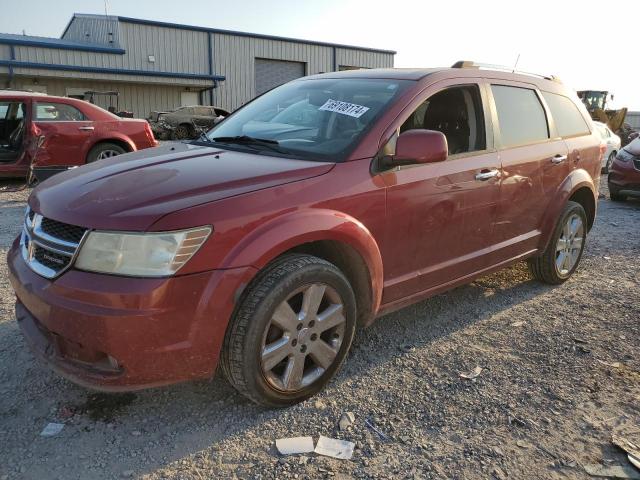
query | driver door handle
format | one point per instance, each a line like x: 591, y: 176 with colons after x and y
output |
x: 487, y: 174
x: 558, y: 159
x: 85, y: 128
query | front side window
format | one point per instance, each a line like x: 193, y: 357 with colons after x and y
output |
x: 457, y: 113
x: 318, y: 119
x: 57, y: 112
x: 520, y: 115
x: 569, y: 121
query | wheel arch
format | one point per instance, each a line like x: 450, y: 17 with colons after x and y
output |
x: 330, y: 235
x: 123, y: 142
x: 578, y: 187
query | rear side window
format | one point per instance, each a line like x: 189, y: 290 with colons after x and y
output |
x: 520, y: 115
x: 57, y: 112
x: 569, y: 121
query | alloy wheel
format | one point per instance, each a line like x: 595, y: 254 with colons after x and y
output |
x: 303, y: 337
x: 107, y: 154
x: 569, y: 245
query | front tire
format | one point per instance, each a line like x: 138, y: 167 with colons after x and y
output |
x: 563, y: 254
x: 607, y: 165
x: 291, y: 332
x: 614, y: 195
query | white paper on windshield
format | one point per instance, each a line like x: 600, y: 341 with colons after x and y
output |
x: 345, y: 108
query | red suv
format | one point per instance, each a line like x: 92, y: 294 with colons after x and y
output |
x: 55, y: 133
x: 624, y: 174
x: 306, y: 214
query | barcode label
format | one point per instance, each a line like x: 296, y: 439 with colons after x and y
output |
x: 344, y: 108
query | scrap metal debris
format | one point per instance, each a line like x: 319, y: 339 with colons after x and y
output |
x: 294, y: 445
x: 331, y: 447
x: 369, y: 424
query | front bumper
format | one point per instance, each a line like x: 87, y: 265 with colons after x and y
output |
x: 624, y: 177
x: 115, y: 333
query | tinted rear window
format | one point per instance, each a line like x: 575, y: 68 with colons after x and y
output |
x: 568, y: 119
x: 520, y: 115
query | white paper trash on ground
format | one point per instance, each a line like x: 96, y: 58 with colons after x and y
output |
x: 331, y: 447
x: 52, y: 429
x: 293, y: 445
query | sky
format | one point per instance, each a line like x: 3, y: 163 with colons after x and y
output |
x: 567, y: 38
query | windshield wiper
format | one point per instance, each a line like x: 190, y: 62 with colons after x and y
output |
x: 244, y: 139
x: 250, y: 141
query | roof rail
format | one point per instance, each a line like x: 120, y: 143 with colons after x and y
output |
x: 502, y: 68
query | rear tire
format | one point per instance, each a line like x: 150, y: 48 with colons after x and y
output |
x: 278, y: 356
x: 183, y: 132
x: 607, y: 165
x: 562, y: 255
x: 104, y: 150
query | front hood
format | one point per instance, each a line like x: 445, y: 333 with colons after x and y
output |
x: 132, y: 191
x: 634, y: 147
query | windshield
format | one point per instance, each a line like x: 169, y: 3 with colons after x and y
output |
x: 311, y: 119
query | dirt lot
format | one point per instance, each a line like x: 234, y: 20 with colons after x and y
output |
x: 545, y: 404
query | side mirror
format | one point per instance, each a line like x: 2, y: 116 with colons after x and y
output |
x: 420, y: 146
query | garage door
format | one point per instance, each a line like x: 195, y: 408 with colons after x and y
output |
x: 271, y: 73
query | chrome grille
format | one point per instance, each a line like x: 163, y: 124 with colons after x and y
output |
x: 48, y: 246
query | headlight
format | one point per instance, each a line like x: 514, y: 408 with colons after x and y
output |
x: 140, y: 254
x: 624, y: 156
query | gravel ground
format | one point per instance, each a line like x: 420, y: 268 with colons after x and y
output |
x: 545, y: 404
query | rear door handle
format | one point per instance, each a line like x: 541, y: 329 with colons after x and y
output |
x: 85, y: 128
x: 487, y: 174
x: 558, y: 158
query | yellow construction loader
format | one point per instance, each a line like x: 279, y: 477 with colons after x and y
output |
x: 596, y: 103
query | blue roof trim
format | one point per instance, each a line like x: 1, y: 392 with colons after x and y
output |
x: 180, y: 26
x: 29, y: 41
x: 117, y: 71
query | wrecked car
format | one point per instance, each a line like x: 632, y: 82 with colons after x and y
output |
x: 185, y: 122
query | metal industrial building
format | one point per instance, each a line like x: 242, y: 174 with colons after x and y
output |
x: 160, y: 66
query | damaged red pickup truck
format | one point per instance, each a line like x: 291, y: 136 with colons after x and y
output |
x: 306, y: 214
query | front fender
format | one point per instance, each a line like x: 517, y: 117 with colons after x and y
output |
x: 576, y: 180
x: 283, y: 233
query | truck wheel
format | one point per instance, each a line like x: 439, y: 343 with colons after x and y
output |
x: 291, y: 331
x: 104, y: 150
x: 183, y: 132
x: 562, y: 256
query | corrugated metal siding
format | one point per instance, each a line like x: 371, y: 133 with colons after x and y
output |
x: 5, y: 52
x: 633, y: 119
x: 234, y: 57
x: 180, y: 50
x: 364, y: 59
x: 175, y: 50
x: 93, y: 29
x: 138, y: 98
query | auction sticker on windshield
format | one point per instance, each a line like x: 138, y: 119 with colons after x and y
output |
x: 345, y: 108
